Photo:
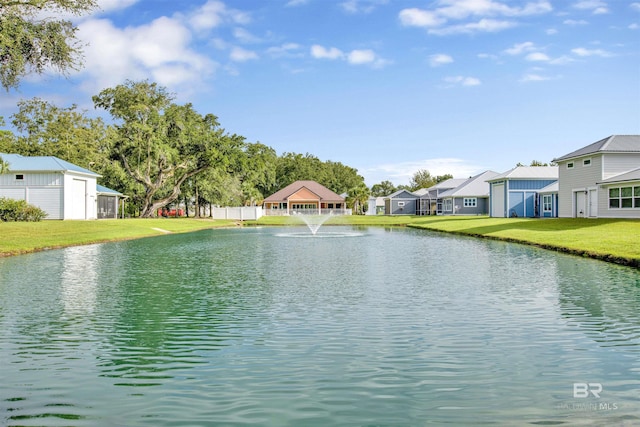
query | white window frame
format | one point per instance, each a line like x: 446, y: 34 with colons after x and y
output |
x: 547, y: 203
x: 587, y: 162
x: 400, y: 204
x: 448, y: 205
x: 570, y: 165
x: 635, y: 197
x: 470, y: 202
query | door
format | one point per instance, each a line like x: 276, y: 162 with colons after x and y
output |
x: 78, y: 199
x: 497, y: 201
x: 593, y: 203
x: 580, y: 206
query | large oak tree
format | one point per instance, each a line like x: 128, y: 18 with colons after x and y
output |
x: 161, y: 144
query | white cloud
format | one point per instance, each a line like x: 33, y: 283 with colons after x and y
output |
x: 158, y: 50
x: 457, y: 10
x: 534, y: 78
x: 484, y: 25
x: 420, y: 18
x: 597, y: 7
x: 244, y: 36
x: 537, y: 56
x: 462, y: 81
x: 551, y: 31
x: 635, y: 6
x: 285, y: 50
x: 294, y: 3
x: 320, y: 52
x: 581, y: 51
x: 357, y: 57
x: 633, y: 26
x: 439, y: 59
x: 520, y: 48
x: 213, y: 14
x: 573, y: 22
x: 239, y: 54
x: 361, y: 6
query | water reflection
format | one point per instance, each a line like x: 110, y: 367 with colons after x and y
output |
x: 80, y: 279
x: 242, y: 326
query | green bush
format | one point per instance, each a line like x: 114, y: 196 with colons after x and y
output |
x: 19, y: 210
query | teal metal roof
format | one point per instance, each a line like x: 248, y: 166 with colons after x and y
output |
x: 101, y: 189
x: 19, y: 163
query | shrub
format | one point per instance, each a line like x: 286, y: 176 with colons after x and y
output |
x: 19, y: 210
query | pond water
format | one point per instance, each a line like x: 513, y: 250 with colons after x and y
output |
x: 272, y: 326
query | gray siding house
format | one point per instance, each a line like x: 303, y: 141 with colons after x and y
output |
x: 516, y: 192
x: 469, y: 198
x: 601, y: 180
x: 430, y: 200
x: 402, y: 202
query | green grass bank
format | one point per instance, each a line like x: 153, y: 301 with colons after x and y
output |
x: 23, y: 237
x: 612, y: 240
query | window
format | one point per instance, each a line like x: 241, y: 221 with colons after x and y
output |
x: 448, y: 205
x: 19, y: 177
x: 570, y: 165
x: 470, y: 202
x: 586, y: 162
x: 624, y: 197
x: 547, y: 203
x: 400, y: 204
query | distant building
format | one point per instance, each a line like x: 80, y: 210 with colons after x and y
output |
x: 305, y: 197
x: 61, y: 189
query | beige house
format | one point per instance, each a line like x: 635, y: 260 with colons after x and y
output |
x: 601, y: 180
x: 304, y: 197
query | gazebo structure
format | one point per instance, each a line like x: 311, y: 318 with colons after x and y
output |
x: 305, y: 198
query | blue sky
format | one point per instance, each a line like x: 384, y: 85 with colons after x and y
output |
x: 388, y: 87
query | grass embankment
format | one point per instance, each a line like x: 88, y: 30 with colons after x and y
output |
x: 613, y: 240
x: 23, y: 237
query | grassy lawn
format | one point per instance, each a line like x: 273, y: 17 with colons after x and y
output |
x: 21, y: 237
x: 613, y: 240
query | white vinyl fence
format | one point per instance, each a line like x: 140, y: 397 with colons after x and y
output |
x: 242, y: 213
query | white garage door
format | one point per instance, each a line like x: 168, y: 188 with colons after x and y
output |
x: 47, y: 199
x: 497, y: 200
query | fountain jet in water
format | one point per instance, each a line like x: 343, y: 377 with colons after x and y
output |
x: 314, y: 222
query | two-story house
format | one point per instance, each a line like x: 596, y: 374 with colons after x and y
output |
x: 601, y: 180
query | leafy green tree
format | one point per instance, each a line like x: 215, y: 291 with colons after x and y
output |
x: 33, y: 38
x: 357, y: 198
x: 441, y: 178
x: 160, y: 144
x: 382, y: 189
x: 534, y: 163
x: 422, y: 179
x: 47, y: 130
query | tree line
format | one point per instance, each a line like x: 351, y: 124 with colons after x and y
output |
x: 158, y: 152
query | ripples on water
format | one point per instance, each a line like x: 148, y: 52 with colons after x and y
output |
x: 370, y: 327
